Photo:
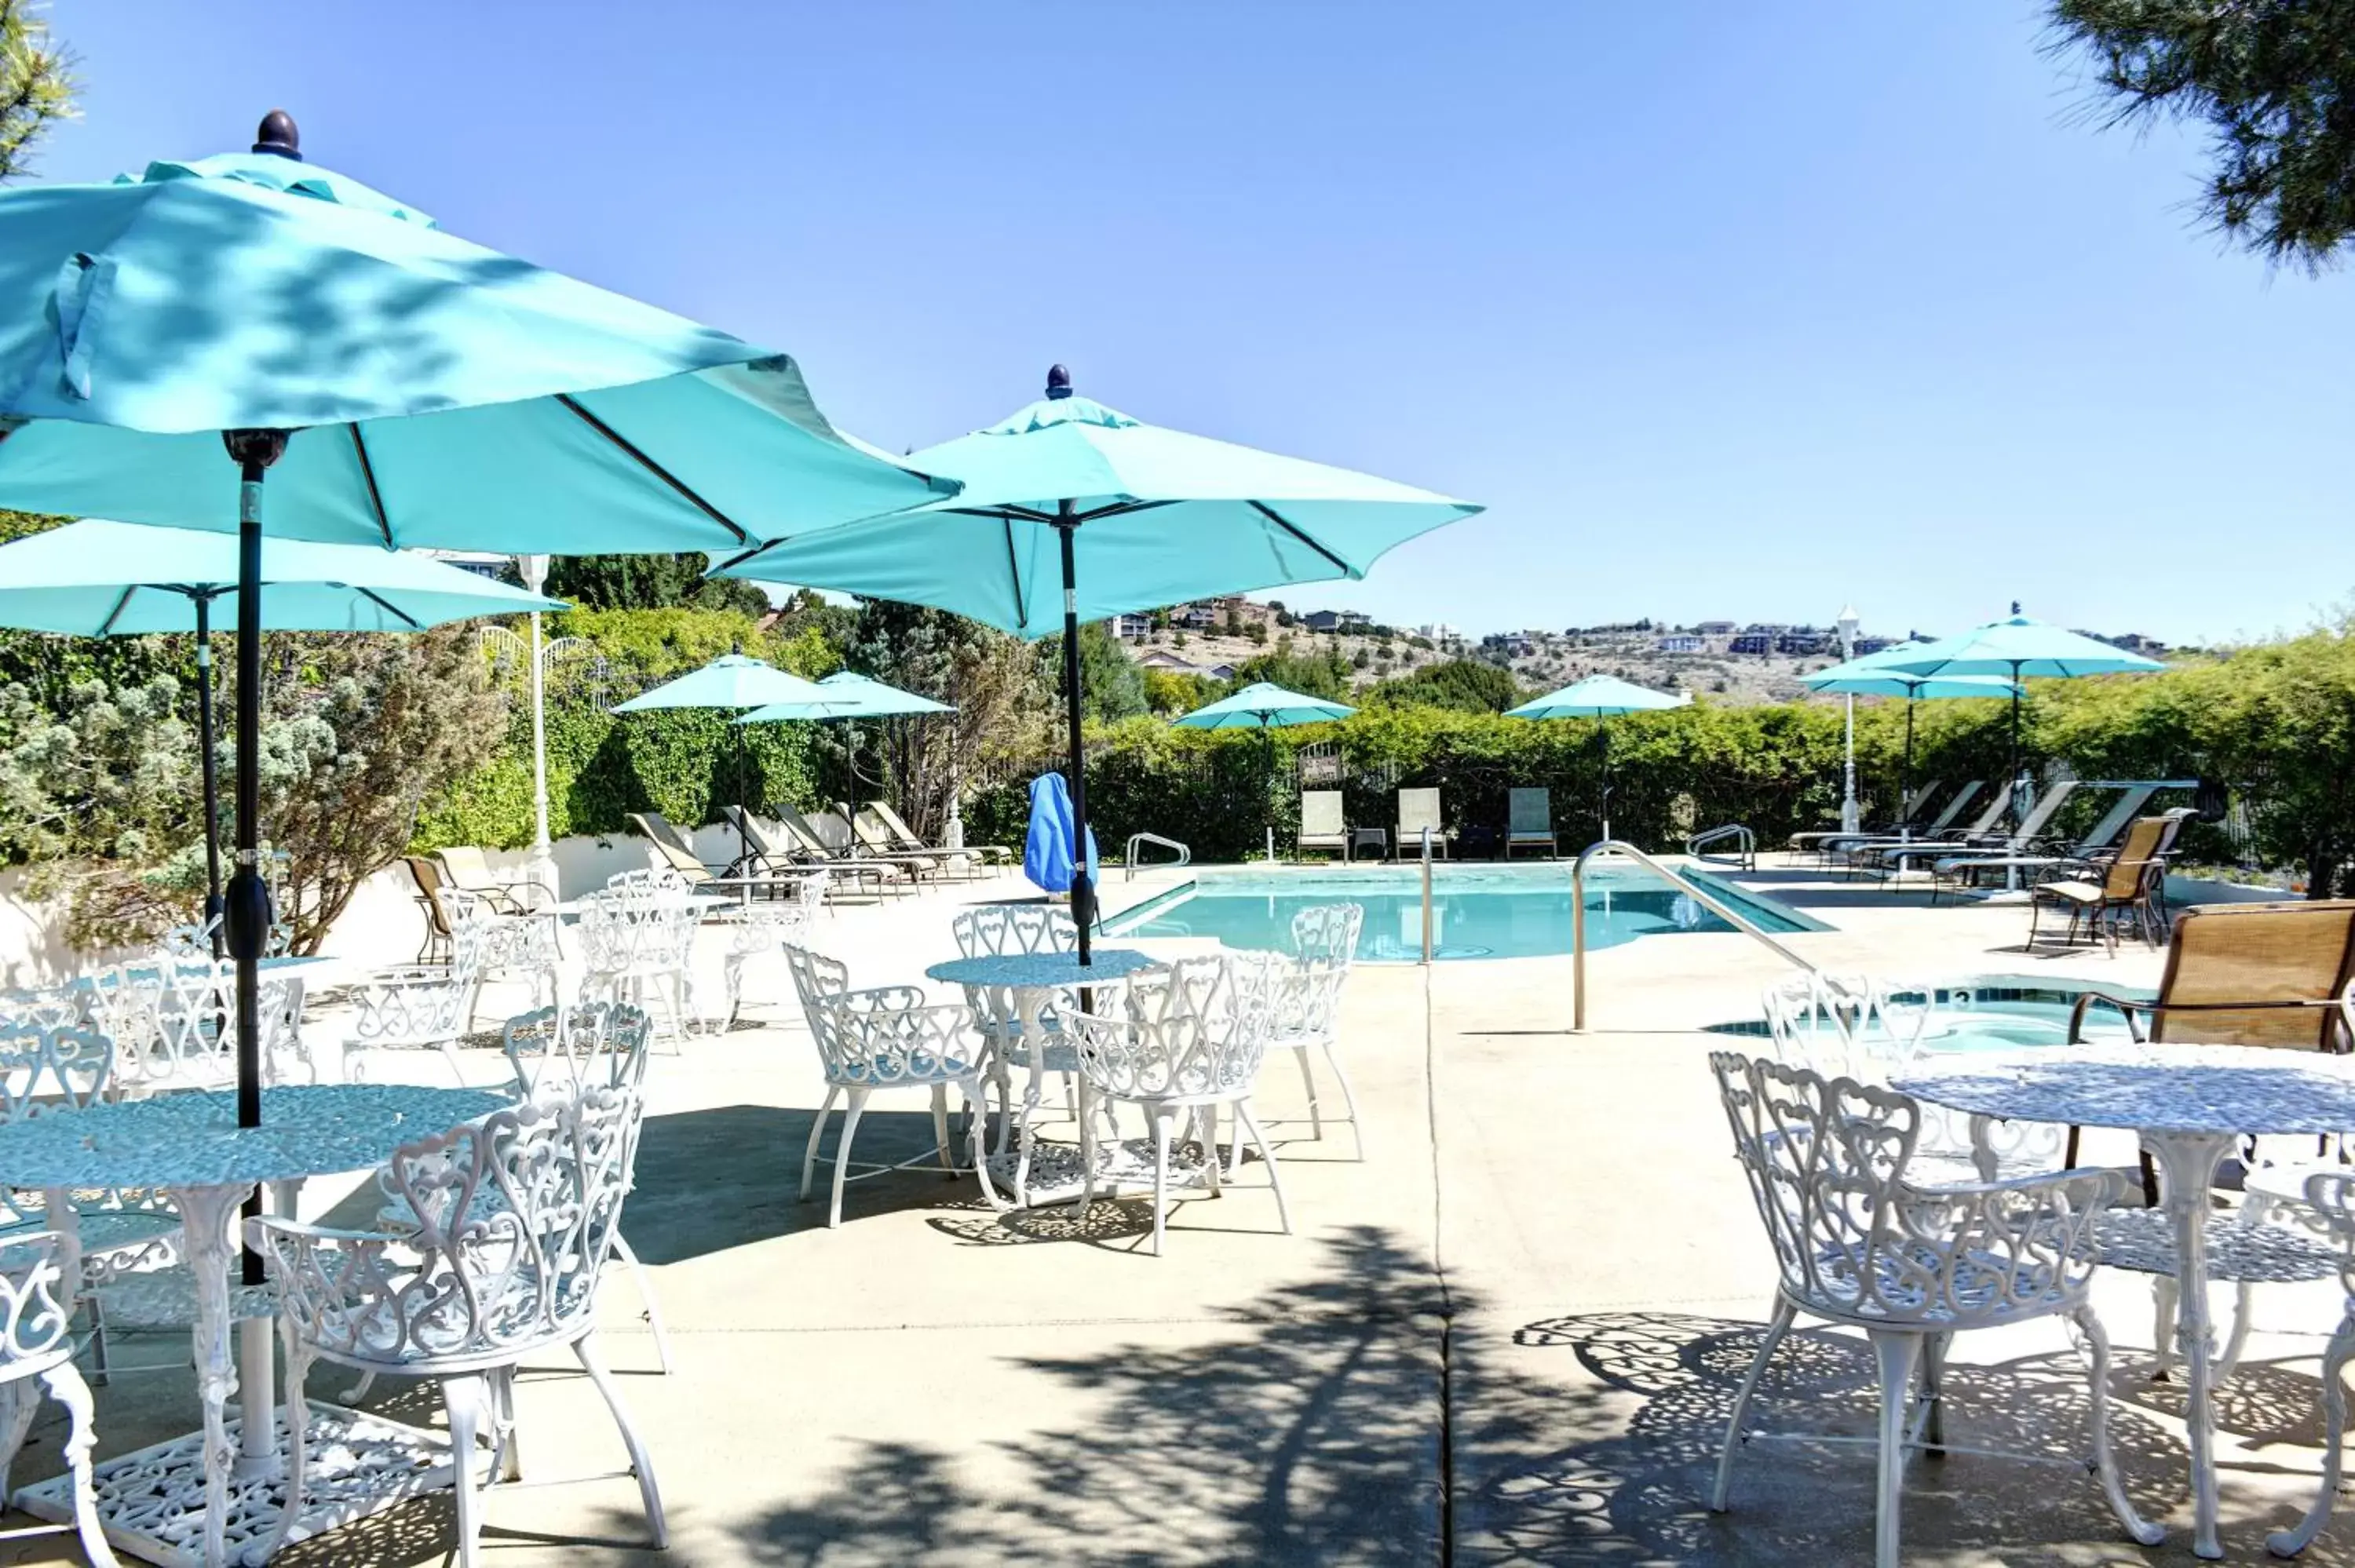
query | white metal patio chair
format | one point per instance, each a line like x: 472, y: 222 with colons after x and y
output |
x: 1307, y: 1013
x: 1856, y: 1245
x: 761, y: 928
x: 510, y: 949
x: 2329, y: 1194
x: 167, y: 1014
x: 37, y: 1341
x: 637, y: 944
x: 999, y: 930
x: 888, y: 1037
x: 419, y: 1007
x: 516, y: 1218
x: 1182, y: 1043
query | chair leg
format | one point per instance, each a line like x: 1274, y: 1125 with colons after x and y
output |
x: 1348, y: 1099
x: 64, y: 1384
x: 463, y: 1396
x: 629, y: 1260
x: 1933, y: 1394
x: 941, y: 1130
x: 1308, y: 1080
x: 2164, y: 1293
x: 507, y: 1463
x: 1161, y: 1115
x: 641, y: 1465
x: 817, y: 1136
x: 2243, y: 1299
x: 2289, y: 1542
x: 1784, y: 1313
x: 855, y: 1106
x: 1206, y: 1134
x: 2105, y: 1464
x: 1087, y: 1155
x: 18, y: 1405
x: 1275, y: 1180
x: 449, y: 1049
x: 1896, y: 1353
x: 99, y: 1375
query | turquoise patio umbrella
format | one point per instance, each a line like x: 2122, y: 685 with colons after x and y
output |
x: 2017, y: 647
x: 1073, y: 511
x: 734, y: 680
x: 1265, y: 706
x: 1873, y: 675
x: 1598, y: 697
x: 406, y: 387
x: 97, y: 578
x: 850, y: 695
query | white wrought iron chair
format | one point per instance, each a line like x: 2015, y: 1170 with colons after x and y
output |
x: 516, y: 1218
x: 637, y: 943
x: 759, y: 928
x: 1309, y: 1006
x: 1328, y: 933
x: 514, y: 949
x: 1182, y: 1044
x: 167, y: 1015
x: 2330, y: 1194
x: 416, y: 1007
x: 37, y: 1341
x: 1000, y: 930
x: 1856, y: 1244
x: 888, y: 1037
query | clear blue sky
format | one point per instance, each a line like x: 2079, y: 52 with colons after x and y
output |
x: 1721, y: 312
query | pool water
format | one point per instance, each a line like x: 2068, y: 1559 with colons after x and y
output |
x: 1477, y: 911
x: 2002, y: 1012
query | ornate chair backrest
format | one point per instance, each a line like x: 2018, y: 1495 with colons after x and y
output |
x: 34, y: 1324
x: 560, y: 1051
x: 1828, y: 1022
x: 1001, y: 930
x: 1197, y: 1028
x: 53, y: 1008
x: 816, y: 976
x: 424, y: 1005
x: 1327, y: 932
x: 891, y: 1035
x: 515, y: 1215
x: 59, y: 1068
x: 638, y: 923
x: 1306, y: 1000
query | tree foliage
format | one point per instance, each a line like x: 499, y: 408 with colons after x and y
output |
x: 650, y: 582
x: 1466, y: 685
x: 37, y: 84
x: 2274, y: 81
x: 1324, y: 675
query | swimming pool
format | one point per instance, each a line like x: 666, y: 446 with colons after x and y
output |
x: 1477, y: 911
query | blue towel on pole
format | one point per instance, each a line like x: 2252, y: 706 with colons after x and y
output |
x: 1047, y: 853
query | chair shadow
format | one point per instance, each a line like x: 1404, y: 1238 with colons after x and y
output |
x: 1647, y: 1410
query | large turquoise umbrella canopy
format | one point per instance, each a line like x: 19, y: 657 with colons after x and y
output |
x: 380, y: 381
x: 730, y: 681
x: 1265, y: 706
x: 2016, y: 647
x: 1597, y: 697
x: 98, y: 578
x: 848, y: 695
x: 1072, y: 511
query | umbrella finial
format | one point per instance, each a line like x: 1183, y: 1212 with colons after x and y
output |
x: 279, y: 136
x: 1058, y: 381
x: 2015, y: 607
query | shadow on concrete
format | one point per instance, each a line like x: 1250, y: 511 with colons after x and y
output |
x: 1611, y: 1459
x: 1308, y: 1431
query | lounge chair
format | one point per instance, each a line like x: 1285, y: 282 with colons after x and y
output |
x: 1323, y: 824
x: 2125, y: 887
x: 469, y: 871
x: 904, y: 837
x: 1907, y: 815
x: 1418, y: 810
x: 774, y: 851
x: 426, y: 872
x: 1898, y: 859
x: 1857, y: 849
x: 672, y: 851
x: 2052, y: 859
x: 1529, y: 821
x: 811, y: 849
x: 868, y: 833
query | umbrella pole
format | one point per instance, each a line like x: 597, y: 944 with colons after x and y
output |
x: 1602, y: 735
x: 1905, y: 784
x: 1267, y: 786
x: 211, y: 771
x: 743, y: 848
x: 247, y: 910
x: 2012, y: 783
x: 1083, y: 893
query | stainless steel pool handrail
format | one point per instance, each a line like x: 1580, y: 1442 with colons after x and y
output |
x: 1426, y: 895
x: 1185, y: 855
x: 1691, y: 889
x: 1746, y: 859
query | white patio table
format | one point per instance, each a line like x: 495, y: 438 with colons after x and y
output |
x: 1029, y: 980
x: 2191, y: 1103
x: 162, y: 1502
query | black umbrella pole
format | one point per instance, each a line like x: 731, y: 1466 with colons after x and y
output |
x: 247, y: 910
x: 1905, y: 784
x: 1083, y: 893
x: 211, y: 771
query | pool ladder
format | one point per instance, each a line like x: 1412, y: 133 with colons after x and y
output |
x: 1689, y: 888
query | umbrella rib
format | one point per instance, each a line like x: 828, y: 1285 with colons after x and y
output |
x: 375, y: 597
x: 367, y: 474
x: 1265, y: 510
x: 685, y: 491
x: 1014, y: 566
x: 106, y: 627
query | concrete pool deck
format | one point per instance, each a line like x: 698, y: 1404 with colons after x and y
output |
x: 1510, y: 1336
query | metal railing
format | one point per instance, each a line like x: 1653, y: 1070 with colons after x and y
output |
x: 1689, y: 888
x: 1745, y: 858
x: 1426, y: 895
x: 1185, y: 855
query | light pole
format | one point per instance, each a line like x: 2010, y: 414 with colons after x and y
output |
x: 1848, y: 815
x: 536, y: 656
